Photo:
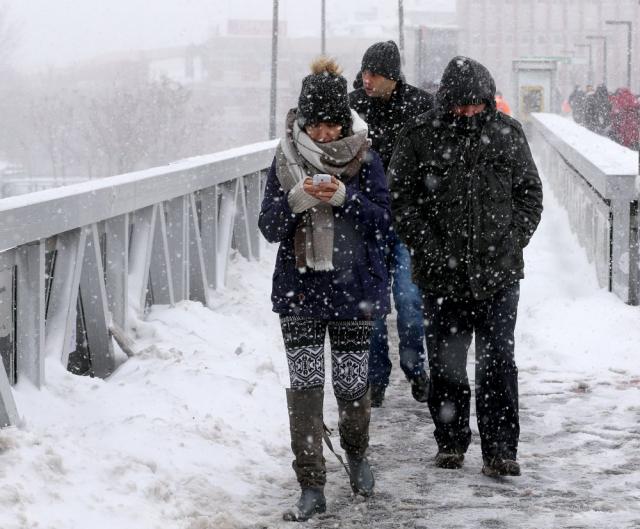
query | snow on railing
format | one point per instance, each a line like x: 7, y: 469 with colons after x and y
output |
x: 595, y: 180
x: 75, y: 259
x: 20, y: 184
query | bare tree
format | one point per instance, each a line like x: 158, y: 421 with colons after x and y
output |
x: 9, y: 35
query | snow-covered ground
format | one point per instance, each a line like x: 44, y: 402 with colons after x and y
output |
x: 192, y: 433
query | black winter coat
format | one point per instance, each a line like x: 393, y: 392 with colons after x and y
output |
x: 358, y: 287
x: 465, y: 200
x: 597, y: 111
x: 387, y: 118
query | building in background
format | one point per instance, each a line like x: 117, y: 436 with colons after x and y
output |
x: 432, y: 30
x: 434, y: 47
x: 227, y: 76
x: 497, y: 32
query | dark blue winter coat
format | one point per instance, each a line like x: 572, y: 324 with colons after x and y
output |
x: 358, y: 287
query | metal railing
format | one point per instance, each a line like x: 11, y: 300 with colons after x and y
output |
x: 594, y: 178
x: 75, y: 260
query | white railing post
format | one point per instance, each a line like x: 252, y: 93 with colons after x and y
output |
x: 161, y: 271
x: 228, y: 202
x: 117, y: 268
x: 178, y: 239
x: 198, y: 283
x: 30, y: 312
x: 253, y: 186
x: 61, y: 315
x: 144, y: 222
x: 209, y: 205
x: 8, y: 411
x: 94, y: 306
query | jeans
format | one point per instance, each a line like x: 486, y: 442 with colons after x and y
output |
x: 408, y: 302
x: 449, y: 326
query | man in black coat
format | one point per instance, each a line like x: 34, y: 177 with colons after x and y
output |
x: 466, y: 199
x: 385, y: 100
x: 387, y: 103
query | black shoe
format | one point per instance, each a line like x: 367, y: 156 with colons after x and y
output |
x: 312, y: 501
x: 450, y: 460
x: 420, y: 387
x: 361, y: 477
x: 497, y: 466
x: 377, y: 395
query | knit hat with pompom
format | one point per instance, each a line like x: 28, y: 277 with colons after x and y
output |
x: 324, y: 97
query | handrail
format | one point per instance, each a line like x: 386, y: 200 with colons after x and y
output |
x: 595, y: 179
x: 21, y: 217
x: 88, y: 254
x: 608, y: 166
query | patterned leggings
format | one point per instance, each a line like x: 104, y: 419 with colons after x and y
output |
x: 304, y: 343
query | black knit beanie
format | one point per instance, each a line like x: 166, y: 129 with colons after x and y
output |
x: 324, y: 99
x: 383, y: 58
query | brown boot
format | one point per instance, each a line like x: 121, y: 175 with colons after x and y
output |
x: 353, y: 424
x: 306, y: 427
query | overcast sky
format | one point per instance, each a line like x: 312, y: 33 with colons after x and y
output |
x: 63, y: 31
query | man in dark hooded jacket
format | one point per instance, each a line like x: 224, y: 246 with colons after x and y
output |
x: 466, y: 199
x: 387, y: 103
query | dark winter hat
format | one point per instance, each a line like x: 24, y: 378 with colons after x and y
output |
x: 466, y: 82
x: 383, y: 58
x: 324, y: 98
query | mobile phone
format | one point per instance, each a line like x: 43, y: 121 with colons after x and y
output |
x: 321, y: 179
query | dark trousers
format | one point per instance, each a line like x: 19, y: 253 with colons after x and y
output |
x: 449, y: 326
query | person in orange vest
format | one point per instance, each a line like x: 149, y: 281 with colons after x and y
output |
x: 502, y: 105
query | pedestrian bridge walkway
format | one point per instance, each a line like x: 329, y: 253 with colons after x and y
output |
x: 156, y: 284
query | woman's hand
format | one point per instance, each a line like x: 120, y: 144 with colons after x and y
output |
x: 323, y: 192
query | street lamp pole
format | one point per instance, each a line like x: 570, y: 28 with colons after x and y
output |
x: 401, y: 28
x: 274, y: 71
x: 590, y: 72
x: 604, y: 54
x: 629, y: 45
x: 323, y: 18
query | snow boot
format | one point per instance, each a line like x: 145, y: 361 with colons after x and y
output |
x: 498, y: 466
x: 449, y: 459
x: 353, y: 424
x: 306, y: 427
x: 312, y: 501
x: 420, y: 387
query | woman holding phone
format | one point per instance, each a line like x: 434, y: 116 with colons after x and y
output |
x: 327, y: 204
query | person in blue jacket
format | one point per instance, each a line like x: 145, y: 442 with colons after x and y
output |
x: 326, y: 203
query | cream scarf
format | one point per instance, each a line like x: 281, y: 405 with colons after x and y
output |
x: 297, y: 157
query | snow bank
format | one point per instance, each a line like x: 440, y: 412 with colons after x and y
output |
x: 179, y: 437
x: 566, y: 322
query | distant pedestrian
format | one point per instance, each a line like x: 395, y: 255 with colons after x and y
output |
x: 327, y: 205
x: 597, y: 111
x: 466, y: 199
x: 625, y: 118
x: 387, y: 103
x: 576, y: 101
x: 501, y: 104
